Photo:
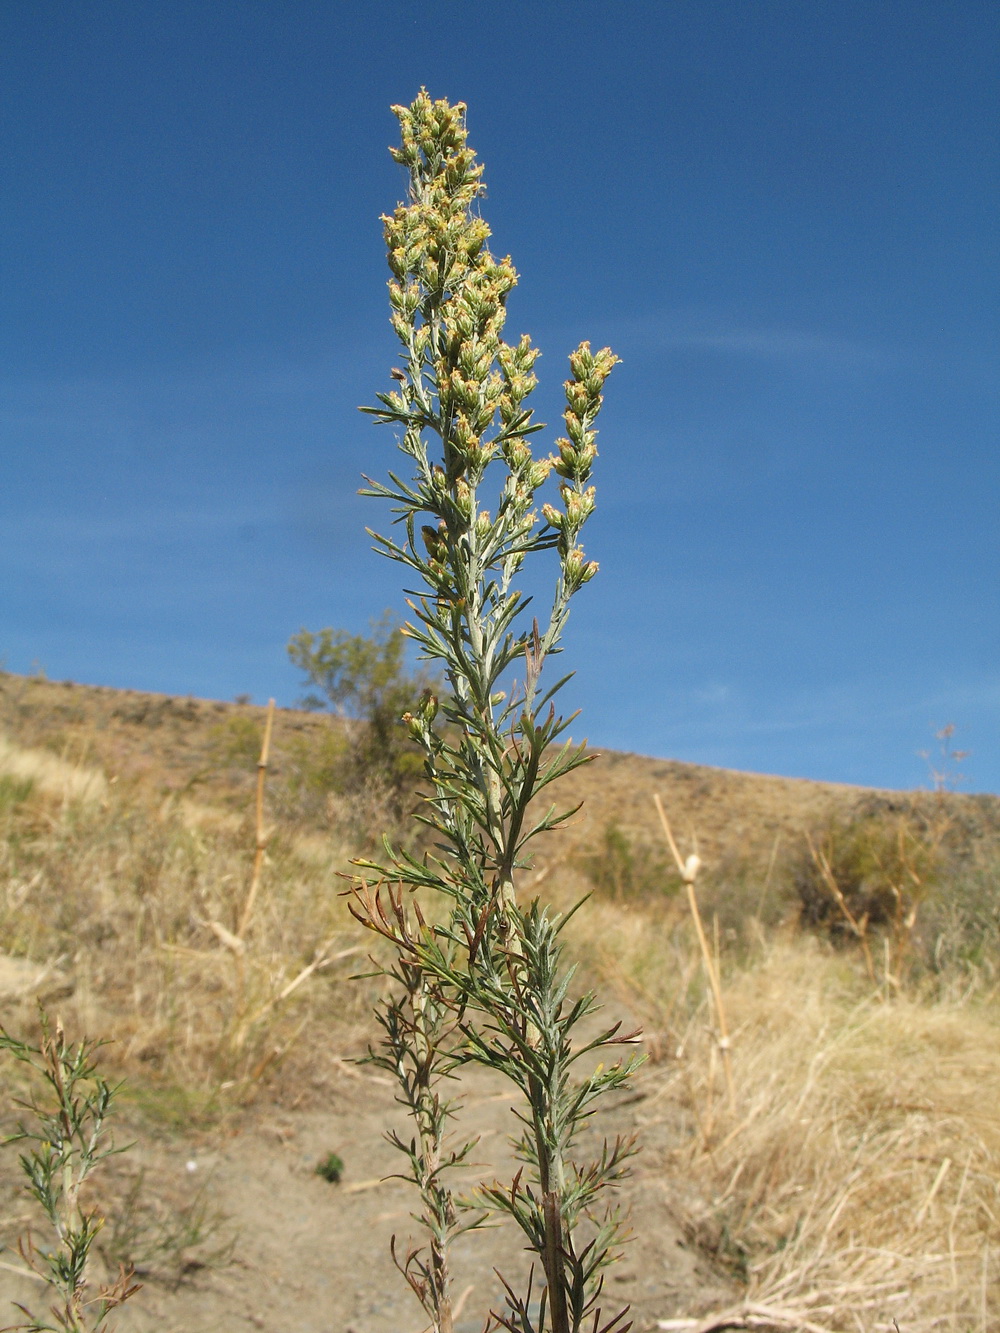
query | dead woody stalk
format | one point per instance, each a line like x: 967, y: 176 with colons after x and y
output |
x: 250, y: 1006
x: 260, y: 841
x: 486, y: 984
x: 688, y: 871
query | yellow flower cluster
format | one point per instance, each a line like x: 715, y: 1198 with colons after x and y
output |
x: 461, y: 381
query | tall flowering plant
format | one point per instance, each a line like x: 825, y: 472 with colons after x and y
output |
x: 487, y: 983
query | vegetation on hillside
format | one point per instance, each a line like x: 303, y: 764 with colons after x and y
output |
x: 366, y: 682
x: 820, y: 1189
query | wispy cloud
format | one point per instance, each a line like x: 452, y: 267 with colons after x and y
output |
x: 48, y: 525
x: 237, y: 399
x: 685, y: 330
x: 715, y: 694
x: 721, y: 710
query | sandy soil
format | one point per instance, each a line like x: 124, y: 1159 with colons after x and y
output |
x: 313, y: 1257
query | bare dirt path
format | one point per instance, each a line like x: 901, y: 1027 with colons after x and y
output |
x: 313, y: 1257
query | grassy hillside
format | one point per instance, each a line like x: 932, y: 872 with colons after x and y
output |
x: 207, y: 749
x: 836, y: 1162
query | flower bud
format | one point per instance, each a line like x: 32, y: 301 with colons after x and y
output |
x: 516, y: 453
x: 484, y: 525
x: 579, y: 504
x: 576, y: 570
x: 463, y: 499
x: 574, y: 427
x: 577, y: 397
x: 434, y: 541
x: 538, y: 473
x: 581, y: 361
x: 415, y: 726
x: 567, y: 464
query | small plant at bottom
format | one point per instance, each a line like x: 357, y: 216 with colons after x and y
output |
x: 331, y: 1168
x: 163, y: 1239
x: 66, y: 1136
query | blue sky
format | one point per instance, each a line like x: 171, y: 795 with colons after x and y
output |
x: 781, y: 216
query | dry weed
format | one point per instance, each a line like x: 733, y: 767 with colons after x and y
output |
x: 50, y: 773
x: 133, y: 896
x: 857, y: 1178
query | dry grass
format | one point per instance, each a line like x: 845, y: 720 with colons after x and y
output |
x: 52, y: 774
x: 857, y: 1180
x: 133, y: 901
x: 854, y: 1181
x: 857, y: 1177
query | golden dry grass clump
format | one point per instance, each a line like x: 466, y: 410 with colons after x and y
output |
x: 27, y: 769
x: 858, y: 1172
x: 854, y: 1177
x: 127, y: 905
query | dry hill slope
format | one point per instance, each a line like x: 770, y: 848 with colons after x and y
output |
x: 850, y: 1175
x: 171, y: 742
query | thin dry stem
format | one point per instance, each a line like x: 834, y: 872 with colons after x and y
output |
x: 858, y: 927
x: 260, y: 847
x: 689, y: 872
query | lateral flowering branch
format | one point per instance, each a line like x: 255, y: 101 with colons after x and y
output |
x: 467, y: 514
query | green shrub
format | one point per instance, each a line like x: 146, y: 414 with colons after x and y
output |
x: 235, y: 741
x: 313, y: 767
x: 363, y: 679
x: 623, y: 868
x: 14, y: 790
x: 870, y: 873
